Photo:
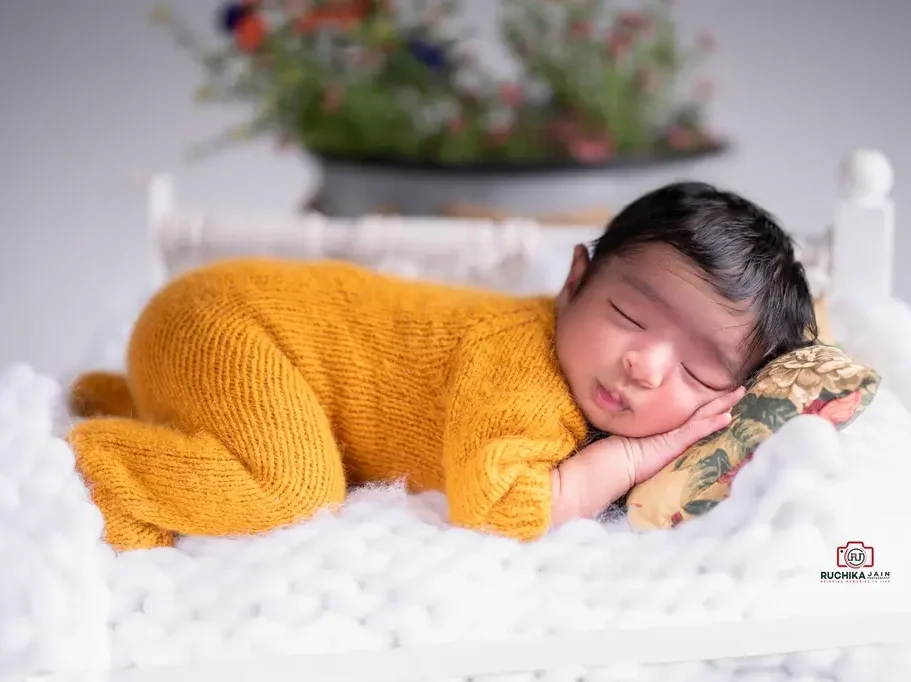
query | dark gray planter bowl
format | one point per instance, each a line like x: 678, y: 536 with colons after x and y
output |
x: 353, y: 188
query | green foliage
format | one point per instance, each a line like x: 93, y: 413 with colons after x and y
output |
x: 363, y: 80
x: 711, y: 469
x: 771, y: 411
x: 699, y: 507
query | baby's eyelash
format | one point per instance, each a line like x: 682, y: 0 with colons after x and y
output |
x: 623, y: 314
x: 711, y: 388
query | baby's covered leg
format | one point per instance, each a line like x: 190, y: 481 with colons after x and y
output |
x: 230, y: 442
x: 151, y: 481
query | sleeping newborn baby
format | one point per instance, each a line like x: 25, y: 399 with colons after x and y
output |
x: 257, y: 392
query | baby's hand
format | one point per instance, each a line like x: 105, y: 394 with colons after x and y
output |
x: 604, y: 471
x: 645, y: 457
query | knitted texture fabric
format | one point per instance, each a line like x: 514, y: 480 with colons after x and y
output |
x: 257, y: 392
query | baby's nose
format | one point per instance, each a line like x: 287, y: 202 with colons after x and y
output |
x: 650, y: 366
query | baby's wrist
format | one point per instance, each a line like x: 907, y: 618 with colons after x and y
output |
x: 590, y: 481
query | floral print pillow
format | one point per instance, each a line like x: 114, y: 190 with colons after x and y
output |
x: 818, y: 379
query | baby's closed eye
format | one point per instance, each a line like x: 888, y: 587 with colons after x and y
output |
x: 700, y: 378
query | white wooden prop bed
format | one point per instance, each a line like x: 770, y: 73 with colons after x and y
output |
x: 386, y: 590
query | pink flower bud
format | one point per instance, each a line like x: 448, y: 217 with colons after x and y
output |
x: 632, y: 20
x: 590, y: 150
x: 617, y: 45
x: 580, y: 30
x: 511, y: 94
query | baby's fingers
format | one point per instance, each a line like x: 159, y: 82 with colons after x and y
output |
x: 697, y: 429
x: 653, y: 454
x: 720, y: 405
x: 708, y: 426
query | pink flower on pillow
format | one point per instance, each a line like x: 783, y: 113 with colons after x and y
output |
x: 838, y: 411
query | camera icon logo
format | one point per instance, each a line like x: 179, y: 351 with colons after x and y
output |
x: 854, y: 554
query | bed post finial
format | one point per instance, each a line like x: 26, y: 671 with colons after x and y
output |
x: 867, y: 177
x: 864, y: 226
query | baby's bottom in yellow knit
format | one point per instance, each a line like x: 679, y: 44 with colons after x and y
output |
x: 217, y: 453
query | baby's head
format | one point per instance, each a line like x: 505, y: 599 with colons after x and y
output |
x: 687, y: 293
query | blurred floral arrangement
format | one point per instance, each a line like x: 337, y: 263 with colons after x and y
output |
x: 395, y: 82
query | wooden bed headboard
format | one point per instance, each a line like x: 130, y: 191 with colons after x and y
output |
x: 854, y: 253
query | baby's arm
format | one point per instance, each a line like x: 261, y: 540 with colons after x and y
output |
x: 509, y: 469
x: 509, y: 422
x: 500, y: 460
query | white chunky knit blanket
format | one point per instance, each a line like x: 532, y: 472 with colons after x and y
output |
x: 387, y: 571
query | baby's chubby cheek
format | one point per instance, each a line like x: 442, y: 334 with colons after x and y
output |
x: 653, y: 417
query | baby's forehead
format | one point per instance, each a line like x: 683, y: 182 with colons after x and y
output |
x: 678, y: 291
x: 666, y: 277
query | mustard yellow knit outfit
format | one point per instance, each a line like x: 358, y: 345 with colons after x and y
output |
x: 258, y: 391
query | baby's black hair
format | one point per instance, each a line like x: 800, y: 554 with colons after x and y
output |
x: 740, y: 247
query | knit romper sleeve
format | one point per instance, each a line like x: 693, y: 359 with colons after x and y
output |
x: 510, y: 420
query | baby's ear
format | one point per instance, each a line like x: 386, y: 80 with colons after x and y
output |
x: 577, y: 270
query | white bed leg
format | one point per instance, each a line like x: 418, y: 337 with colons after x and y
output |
x: 864, y: 226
